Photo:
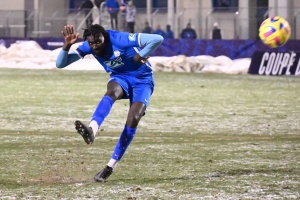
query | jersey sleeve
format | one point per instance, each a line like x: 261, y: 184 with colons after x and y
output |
x: 128, y: 39
x: 64, y: 58
x: 83, y: 49
x: 148, y: 42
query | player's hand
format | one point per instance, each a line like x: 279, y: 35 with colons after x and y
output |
x: 139, y: 59
x: 70, y: 36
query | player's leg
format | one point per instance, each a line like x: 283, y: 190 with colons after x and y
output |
x: 135, y: 113
x: 114, y: 92
x: 140, y: 98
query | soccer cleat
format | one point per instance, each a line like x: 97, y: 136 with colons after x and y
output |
x: 103, y: 174
x: 85, y: 131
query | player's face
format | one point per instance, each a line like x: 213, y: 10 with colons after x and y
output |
x: 96, y: 43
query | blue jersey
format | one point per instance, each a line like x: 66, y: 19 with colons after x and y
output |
x: 135, y: 78
x: 120, y: 52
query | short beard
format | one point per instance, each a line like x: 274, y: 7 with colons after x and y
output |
x: 101, y: 50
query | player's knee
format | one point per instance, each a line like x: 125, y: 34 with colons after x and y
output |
x: 115, y: 93
x: 133, y: 119
x: 112, y: 95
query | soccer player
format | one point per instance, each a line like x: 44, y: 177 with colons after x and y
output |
x: 125, y: 57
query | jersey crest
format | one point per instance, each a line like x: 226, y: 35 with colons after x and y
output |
x: 114, y: 63
x: 131, y: 36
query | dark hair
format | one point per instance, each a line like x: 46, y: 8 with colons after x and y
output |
x: 95, y: 29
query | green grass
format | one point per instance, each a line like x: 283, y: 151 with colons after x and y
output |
x: 205, y: 136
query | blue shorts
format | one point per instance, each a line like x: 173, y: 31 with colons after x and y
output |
x: 136, y: 89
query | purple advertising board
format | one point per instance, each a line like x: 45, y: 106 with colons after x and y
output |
x: 275, y: 63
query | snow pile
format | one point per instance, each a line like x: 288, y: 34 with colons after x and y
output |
x: 29, y: 55
x: 208, y: 64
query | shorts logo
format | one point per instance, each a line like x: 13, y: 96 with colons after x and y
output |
x: 131, y: 37
x: 114, y: 63
x: 117, y: 53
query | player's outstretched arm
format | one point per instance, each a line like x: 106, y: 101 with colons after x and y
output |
x: 64, y: 58
x: 149, y: 42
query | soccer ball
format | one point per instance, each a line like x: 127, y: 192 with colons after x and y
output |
x: 274, y: 31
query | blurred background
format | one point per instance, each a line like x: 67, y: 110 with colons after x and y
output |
x: 238, y: 19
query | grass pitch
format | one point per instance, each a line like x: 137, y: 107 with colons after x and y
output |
x: 205, y: 136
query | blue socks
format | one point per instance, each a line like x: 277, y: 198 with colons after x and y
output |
x: 102, y: 110
x: 125, y: 139
x: 127, y: 135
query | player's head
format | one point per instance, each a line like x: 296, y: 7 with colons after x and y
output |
x: 97, y: 38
